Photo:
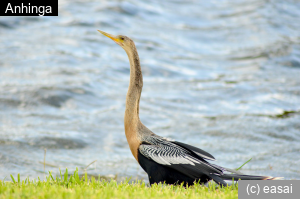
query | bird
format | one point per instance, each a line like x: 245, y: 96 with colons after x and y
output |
x: 165, y: 160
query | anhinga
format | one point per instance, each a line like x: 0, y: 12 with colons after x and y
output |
x: 164, y: 160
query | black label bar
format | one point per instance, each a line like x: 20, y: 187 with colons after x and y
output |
x: 28, y: 8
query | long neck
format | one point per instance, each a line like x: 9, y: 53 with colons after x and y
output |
x: 131, y: 119
x: 135, y: 86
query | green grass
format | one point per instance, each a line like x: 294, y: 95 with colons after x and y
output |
x: 74, y: 186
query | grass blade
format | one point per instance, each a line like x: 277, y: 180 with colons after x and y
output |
x: 244, y: 164
x: 12, y: 178
x: 66, y: 175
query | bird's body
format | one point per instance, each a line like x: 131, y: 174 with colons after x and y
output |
x: 162, y: 159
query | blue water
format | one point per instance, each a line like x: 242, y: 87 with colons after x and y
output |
x: 220, y: 75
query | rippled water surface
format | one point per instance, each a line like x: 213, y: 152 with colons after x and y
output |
x: 221, y: 75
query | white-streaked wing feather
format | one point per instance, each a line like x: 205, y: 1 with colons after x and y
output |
x: 165, y: 155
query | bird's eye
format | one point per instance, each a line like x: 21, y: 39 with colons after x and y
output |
x: 122, y: 38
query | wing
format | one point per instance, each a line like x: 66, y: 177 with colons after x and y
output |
x: 176, y: 157
x: 199, y: 152
x: 205, y: 155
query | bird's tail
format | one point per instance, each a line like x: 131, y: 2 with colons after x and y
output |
x: 220, y: 179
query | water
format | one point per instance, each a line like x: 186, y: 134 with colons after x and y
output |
x: 219, y: 75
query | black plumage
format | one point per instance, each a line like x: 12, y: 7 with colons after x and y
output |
x: 175, y: 162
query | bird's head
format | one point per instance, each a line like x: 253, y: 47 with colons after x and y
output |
x: 125, y: 42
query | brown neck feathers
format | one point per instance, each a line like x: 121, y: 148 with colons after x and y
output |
x: 131, y: 119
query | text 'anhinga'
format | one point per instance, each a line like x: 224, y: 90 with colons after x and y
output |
x: 164, y: 160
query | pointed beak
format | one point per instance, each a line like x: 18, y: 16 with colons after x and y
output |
x: 117, y: 40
